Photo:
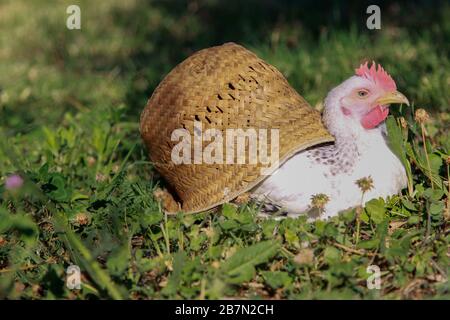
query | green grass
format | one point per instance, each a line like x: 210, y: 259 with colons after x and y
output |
x: 69, y: 112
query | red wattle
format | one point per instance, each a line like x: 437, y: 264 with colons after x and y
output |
x: 374, y: 117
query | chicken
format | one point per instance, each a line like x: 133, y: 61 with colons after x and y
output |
x: 354, y: 114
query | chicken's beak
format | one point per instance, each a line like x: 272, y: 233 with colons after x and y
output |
x: 393, y: 97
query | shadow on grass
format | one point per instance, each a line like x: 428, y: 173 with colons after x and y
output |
x: 179, y: 28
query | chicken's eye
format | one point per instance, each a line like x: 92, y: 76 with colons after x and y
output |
x: 363, y: 93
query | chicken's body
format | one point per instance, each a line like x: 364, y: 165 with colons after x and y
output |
x: 333, y: 170
x: 360, y: 151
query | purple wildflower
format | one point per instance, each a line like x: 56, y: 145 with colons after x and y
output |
x: 13, y: 182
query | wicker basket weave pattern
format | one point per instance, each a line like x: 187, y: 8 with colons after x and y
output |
x: 223, y: 87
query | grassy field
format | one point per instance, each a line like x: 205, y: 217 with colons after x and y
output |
x: 70, y: 102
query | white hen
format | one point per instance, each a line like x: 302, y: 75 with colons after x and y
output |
x: 354, y: 113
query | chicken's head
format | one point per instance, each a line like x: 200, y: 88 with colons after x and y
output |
x: 363, y: 99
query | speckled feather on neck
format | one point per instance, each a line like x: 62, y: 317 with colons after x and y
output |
x: 340, y: 157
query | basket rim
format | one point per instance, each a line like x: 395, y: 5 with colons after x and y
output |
x: 261, y: 178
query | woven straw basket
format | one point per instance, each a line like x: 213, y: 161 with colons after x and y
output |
x: 223, y: 87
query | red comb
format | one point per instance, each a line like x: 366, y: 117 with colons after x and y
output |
x: 378, y: 75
